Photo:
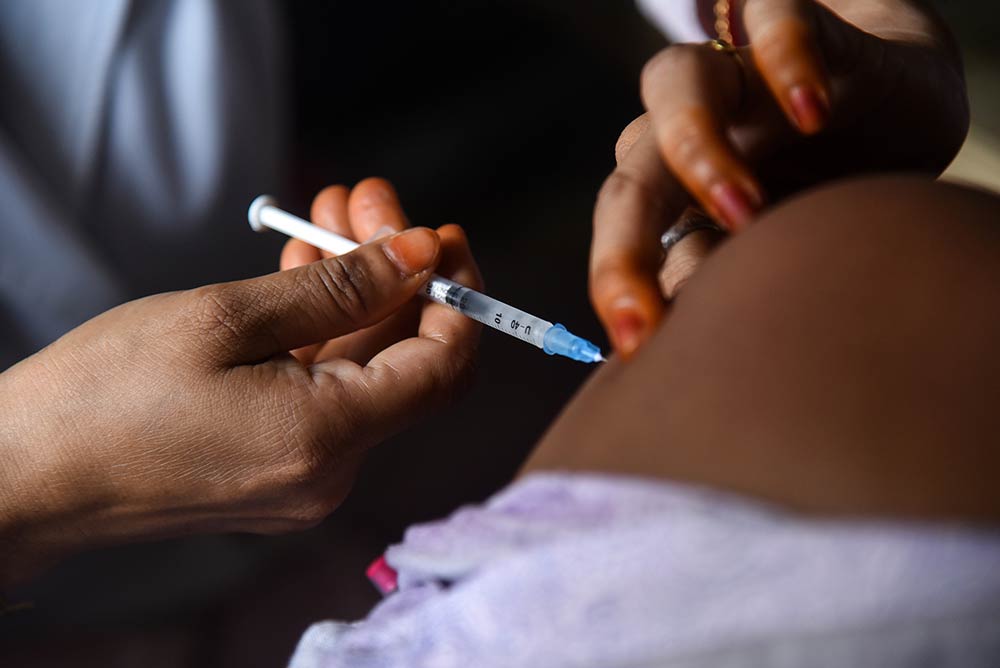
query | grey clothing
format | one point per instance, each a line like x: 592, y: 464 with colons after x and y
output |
x: 132, y: 137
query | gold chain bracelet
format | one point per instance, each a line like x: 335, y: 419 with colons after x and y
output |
x: 723, y: 26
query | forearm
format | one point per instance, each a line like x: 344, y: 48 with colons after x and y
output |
x: 13, y: 522
x: 19, y: 519
x: 35, y: 494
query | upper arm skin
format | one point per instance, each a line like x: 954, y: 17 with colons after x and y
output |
x: 838, y: 357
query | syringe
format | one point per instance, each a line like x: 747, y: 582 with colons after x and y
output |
x: 552, y: 338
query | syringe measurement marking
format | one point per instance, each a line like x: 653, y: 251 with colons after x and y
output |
x: 552, y: 338
x: 459, y: 297
x: 514, y: 324
x: 517, y: 328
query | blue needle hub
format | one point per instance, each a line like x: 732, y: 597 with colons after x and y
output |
x: 559, y: 341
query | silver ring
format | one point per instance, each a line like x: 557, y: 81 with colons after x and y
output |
x: 685, y: 227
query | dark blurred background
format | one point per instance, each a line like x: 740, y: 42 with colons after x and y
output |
x: 500, y: 115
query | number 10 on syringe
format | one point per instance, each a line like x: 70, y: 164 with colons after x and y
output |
x: 491, y: 312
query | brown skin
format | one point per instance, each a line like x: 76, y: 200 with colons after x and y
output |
x: 838, y: 357
x: 184, y: 412
x: 825, y: 90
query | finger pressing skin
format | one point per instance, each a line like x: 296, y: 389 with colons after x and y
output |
x: 373, y: 205
x: 634, y: 206
x: 786, y: 51
x: 692, y: 92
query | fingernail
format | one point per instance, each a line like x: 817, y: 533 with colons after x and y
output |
x: 809, y: 108
x: 627, y: 329
x: 384, y: 231
x: 735, y: 205
x: 412, y: 251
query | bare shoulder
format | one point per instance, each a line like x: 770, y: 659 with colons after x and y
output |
x: 839, y: 356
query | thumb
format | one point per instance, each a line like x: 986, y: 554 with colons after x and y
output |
x: 255, y: 319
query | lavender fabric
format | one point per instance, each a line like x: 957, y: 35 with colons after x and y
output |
x: 563, y: 570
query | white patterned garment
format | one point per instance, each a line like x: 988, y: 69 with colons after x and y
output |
x: 565, y: 570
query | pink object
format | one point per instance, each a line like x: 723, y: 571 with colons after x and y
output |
x: 382, y: 575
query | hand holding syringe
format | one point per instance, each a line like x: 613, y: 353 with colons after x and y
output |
x: 552, y: 338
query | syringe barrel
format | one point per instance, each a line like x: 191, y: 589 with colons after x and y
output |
x: 491, y: 312
x: 555, y: 340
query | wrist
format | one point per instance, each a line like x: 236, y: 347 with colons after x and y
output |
x: 37, y: 500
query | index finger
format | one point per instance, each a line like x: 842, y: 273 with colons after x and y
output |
x: 329, y: 211
x: 634, y: 207
x: 785, y: 49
